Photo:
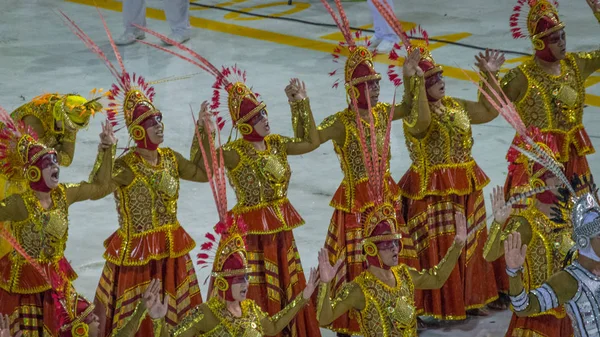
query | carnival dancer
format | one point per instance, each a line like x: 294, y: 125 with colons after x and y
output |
x: 258, y: 169
x: 351, y: 198
x: 74, y: 315
x: 549, y: 241
x: 549, y: 90
x: 56, y: 119
x: 576, y: 286
x: 228, y: 313
x: 38, y: 220
x: 382, y: 296
x: 150, y: 242
x: 444, y: 178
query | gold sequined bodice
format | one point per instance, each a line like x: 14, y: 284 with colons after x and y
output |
x: 44, y: 233
x: 43, y: 112
x: 261, y: 176
x: 550, y: 243
x: 150, y: 201
x: 389, y: 311
x: 229, y: 326
x: 350, y: 153
x: 552, y: 102
x: 448, y: 140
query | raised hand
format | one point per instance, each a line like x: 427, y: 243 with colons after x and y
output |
x: 204, y: 117
x: 514, y: 252
x: 461, y: 228
x: 107, y: 136
x: 411, y: 64
x: 501, y: 209
x: 5, y: 327
x: 151, y: 300
x: 296, y: 90
x: 491, y: 61
x: 594, y: 5
x: 326, y: 270
x: 311, y: 285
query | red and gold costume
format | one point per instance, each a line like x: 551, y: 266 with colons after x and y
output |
x: 552, y: 103
x: 213, y: 318
x: 548, y: 243
x: 260, y: 179
x: 55, y: 119
x: 352, y: 199
x: 382, y: 308
x: 150, y: 242
x: 25, y: 294
x: 442, y: 179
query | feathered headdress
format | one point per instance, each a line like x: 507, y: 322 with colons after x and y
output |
x: 20, y: 149
x: 535, y: 19
x: 229, y: 89
x: 569, y: 207
x: 229, y: 257
x: 73, y: 110
x: 358, y: 65
x: 131, y: 96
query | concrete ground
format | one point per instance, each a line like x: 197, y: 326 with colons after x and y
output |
x: 39, y: 54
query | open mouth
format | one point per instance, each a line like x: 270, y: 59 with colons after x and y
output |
x: 55, y: 175
x: 243, y: 292
x: 395, y: 256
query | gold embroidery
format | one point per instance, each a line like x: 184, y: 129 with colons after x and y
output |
x: 248, y: 325
x: 350, y: 153
x: 389, y: 311
x: 195, y: 316
x: 261, y: 177
x: 545, y: 252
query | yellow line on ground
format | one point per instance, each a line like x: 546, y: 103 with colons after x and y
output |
x: 294, y: 41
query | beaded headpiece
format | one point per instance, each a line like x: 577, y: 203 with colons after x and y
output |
x: 574, y: 204
x: 131, y: 97
x: 358, y: 65
x: 20, y: 149
x: 535, y: 19
x: 229, y: 257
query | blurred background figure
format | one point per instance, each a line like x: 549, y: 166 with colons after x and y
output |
x: 134, y: 12
x: 384, y: 37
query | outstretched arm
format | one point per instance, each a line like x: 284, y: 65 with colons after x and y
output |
x: 556, y: 291
x: 482, y: 111
x: 102, y: 183
x: 302, y: 120
x: 503, y: 225
x: 414, y: 109
x: 435, y: 277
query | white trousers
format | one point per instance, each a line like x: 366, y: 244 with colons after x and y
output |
x: 176, y: 11
x: 383, y: 31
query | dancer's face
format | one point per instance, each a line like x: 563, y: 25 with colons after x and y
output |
x: 557, y: 43
x: 50, y: 170
x: 154, y: 129
x: 388, y: 252
x: 239, y: 287
x: 260, y: 123
x: 436, y: 87
x: 374, y: 90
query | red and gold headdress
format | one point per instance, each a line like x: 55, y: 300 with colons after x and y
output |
x: 131, y: 97
x: 229, y: 258
x: 535, y: 19
x: 358, y: 66
x: 20, y: 149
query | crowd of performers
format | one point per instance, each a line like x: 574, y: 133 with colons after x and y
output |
x: 394, y: 251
